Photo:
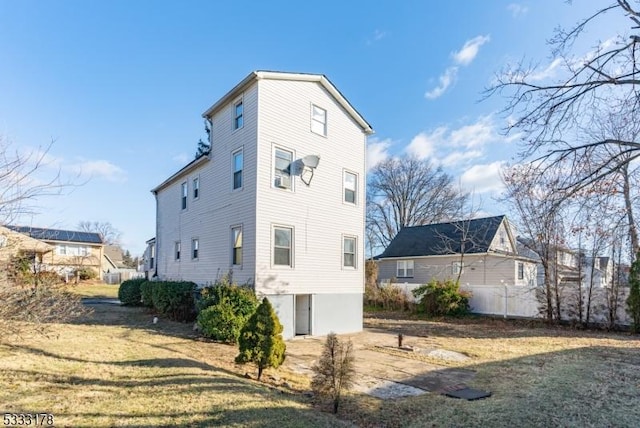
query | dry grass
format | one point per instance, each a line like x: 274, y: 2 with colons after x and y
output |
x: 119, y: 369
x: 95, y: 289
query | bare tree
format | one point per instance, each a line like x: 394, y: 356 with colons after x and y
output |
x: 109, y: 234
x: 335, y: 370
x: 408, y: 192
x: 553, y: 115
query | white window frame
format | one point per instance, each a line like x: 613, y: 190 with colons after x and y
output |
x: 520, y: 271
x: 238, y: 119
x: 235, y: 171
x: 234, y: 229
x: 195, y: 183
x: 457, y: 268
x: 61, y: 249
x: 291, y: 245
x: 280, y: 172
x: 195, y: 248
x: 318, y: 122
x: 404, y: 269
x: 345, y: 188
x: 184, y: 194
x: 345, y: 238
x: 177, y: 250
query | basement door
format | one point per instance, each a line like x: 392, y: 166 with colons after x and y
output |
x: 303, y: 314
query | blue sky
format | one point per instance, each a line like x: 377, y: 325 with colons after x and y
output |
x: 120, y: 86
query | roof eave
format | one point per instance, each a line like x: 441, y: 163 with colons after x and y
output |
x: 185, y: 169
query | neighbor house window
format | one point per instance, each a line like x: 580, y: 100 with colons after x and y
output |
x: 318, y: 120
x: 282, y: 168
x: 236, y: 236
x: 282, y: 246
x: 195, y: 247
x: 520, y: 270
x: 349, y: 252
x: 350, y: 187
x: 238, y: 115
x: 152, y: 257
x: 457, y: 268
x: 61, y: 250
x: 184, y: 196
x: 238, y: 162
x: 72, y: 250
x: 196, y: 188
x: 177, y: 250
x: 404, y: 268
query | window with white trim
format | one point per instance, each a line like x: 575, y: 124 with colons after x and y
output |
x: 318, y: 120
x: 282, y: 246
x: 196, y: 188
x: 457, y: 268
x: 349, y: 251
x: 236, y: 237
x: 404, y: 269
x: 73, y: 250
x: 238, y: 166
x: 282, y: 168
x: 520, y: 270
x: 195, y: 248
x: 350, y: 184
x: 177, y: 250
x: 238, y: 115
x: 185, y: 193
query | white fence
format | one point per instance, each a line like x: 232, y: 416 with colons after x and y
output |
x: 512, y: 301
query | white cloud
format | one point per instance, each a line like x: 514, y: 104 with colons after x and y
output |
x: 100, y: 169
x: 470, y: 50
x: 445, y: 80
x: 517, y: 10
x: 377, y: 151
x: 182, y: 158
x: 457, y: 158
x: 377, y: 36
x: 483, y: 178
x: 423, y: 145
x: 474, y: 135
x: 548, y: 72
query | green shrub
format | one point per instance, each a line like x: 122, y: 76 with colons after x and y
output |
x: 129, y: 292
x: 146, y: 290
x: 261, y: 339
x: 633, y: 301
x: 221, y: 322
x: 174, y: 299
x: 241, y: 298
x: 85, y: 273
x: 439, y: 298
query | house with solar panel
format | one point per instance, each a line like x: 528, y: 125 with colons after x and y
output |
x: 278, y: 201
x: 70, y: 250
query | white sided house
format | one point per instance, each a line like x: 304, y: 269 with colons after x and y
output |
x: 279, y: 201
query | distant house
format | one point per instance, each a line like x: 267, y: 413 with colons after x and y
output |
x: 479, y: 251
x: 279, y: 201
x: 72, y: 250
x: 15, y: 244
x: 149, y: 259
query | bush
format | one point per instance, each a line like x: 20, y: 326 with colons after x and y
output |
x: 439, y: 298
x: 261, y: 339
x: 146, y: 290
x: 335, y: 370
x: 85, y: 274
x: 129, y: 292
x: 388, y: 297
x: 241, y: 298
x: 174, y: 299
x: 221, y: 322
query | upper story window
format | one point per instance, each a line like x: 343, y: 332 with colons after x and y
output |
x: 236, y: 236
x: 73, y: 250
x: 177, y: 250
x: 318, y: 120
x: 238, y: 115
x: 185, y: 192
x: 196, y: 188
x: 350, y: 187
x: 238, y: 165
x: 152, y: 256
x: 195, y: 248
x: 457, y: 268
x: 282, y: 168
x: 282, y: 246
x: 349, y: 252
x: 404, y: 269
x: 520, y: 270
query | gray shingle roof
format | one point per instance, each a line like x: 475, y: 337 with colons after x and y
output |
x: 58, y: 235
x: 444, y: 238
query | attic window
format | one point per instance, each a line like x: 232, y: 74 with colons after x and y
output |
x: 404, y: 269
x: 318, y: 120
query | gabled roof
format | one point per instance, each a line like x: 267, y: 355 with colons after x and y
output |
x: 19, y: 241
x: 444, y: 238
x: 181, y: 172
x: 300, y: 77
x: 58, y: 235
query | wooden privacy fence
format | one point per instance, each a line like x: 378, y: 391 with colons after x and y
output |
x: 118, y: 277
x: 514, y: 301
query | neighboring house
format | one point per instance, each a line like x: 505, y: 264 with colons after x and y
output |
x: 113, y: 259
x: 13, y: 244
x: 566, y: 263
x: 279, y: 201
x: 73, y: 250
x: 149, y: 259
x: 480, y: 251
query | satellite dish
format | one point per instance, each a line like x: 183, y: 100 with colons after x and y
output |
x: 311, y: 161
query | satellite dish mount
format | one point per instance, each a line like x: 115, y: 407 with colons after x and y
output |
x: 310, y: 163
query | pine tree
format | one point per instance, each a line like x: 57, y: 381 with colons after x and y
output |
x: 335, y: 371
x: 261, y: 339
x: 633, y: 301
x: 203, y: 149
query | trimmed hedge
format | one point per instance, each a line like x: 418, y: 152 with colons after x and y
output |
x: 129, y: 292
x: 146, y: 293
x: 174, y: 299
